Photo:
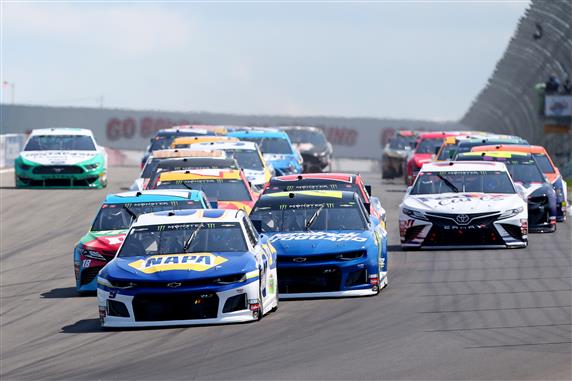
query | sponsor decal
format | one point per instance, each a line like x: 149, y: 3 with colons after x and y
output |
x: 169, y: 262
x: 318, y: 236
x: 467, y: 197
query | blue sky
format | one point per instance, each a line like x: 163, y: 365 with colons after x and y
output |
x: 420, y: 60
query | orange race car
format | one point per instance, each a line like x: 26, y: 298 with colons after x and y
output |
x: 547, y: 167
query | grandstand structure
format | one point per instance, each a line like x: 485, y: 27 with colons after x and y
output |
x: 510, y: 102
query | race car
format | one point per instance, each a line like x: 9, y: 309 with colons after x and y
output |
x: 61, y: 158
x: 312, y: 144
x: 326, y: 244
x: 425, y: 149
x: 100, y: 244
x: 468, y: 144
x: 248, y: 156
x: 276, y: 148
x: 187, y: 142
x: 228, y: 187
x: 396, y: 152
x: 463, y: 205
x: 163, y: 138
x: 152, y: 163
x: 329, y: 181
x: 536, y: 189
x: 189, y: 267
x: 547, y: 167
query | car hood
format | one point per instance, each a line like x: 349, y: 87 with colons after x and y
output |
x: 106, y: 240
x: 236, y: 205
x: 422, y: 158
x: 400, y: 153
x: 465, y: 203
x: 180, y: 267
x: 280, y: 161
x: 315, y: 243
x: 310, y: 149
x: 255, y: 177
x: 58, y: 157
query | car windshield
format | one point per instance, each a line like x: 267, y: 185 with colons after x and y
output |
x: 120, y: 216
x: 248, y: 159
x: 161, y: 142
x: 448, y: 152
x: 544, y: 164
x: 467, y: 146
x: 295, y: 217
x: 272, y: 145
x: 301, y: 136
x: 521, y: 169
x: 399, y: 142
x: 429, y: 145
x: 60, y: 143
x: 219, y: 190
x: 313, y: 184
x: 466, y: 181
x: 208, y: 237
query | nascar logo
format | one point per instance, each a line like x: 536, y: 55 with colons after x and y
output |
x: 191, y: 262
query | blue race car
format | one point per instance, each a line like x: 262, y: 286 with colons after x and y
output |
x: 189, y: 267
x: 326, y: 244
x: 99, y: 245
x: 276, y: 148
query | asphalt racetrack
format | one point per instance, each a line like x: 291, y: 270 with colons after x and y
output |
x: 482, y: 314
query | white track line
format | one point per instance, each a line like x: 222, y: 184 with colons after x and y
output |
x: 6, y: 170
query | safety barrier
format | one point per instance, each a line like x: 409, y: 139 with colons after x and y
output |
x: 10, y: 147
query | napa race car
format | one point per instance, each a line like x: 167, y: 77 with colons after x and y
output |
x: 61, y: 158
x: 189, y: 267
x: 534, y: 186
x: 326, y: 244
x: 463, y: 205
x: 98, y: 246
x: 276, y: 148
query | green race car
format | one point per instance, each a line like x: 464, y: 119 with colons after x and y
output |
x: 61, y: 158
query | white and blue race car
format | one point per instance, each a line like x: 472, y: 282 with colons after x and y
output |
x: 189, y: 267
x: 326, y: 243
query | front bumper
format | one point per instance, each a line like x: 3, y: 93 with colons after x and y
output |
x: 442, y: 234
x: 70, y: 176
x: 175, y: 307
x: 329, y: 279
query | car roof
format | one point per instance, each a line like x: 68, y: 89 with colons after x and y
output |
x: 512, y: 148
x: 153, y: 196
x: 460, y: 166
x: 190, y: 216
x: 341, y: 177
x: 487, y: 140
x: 437, y: 134
x: 183, y: 131
x: 202, y: 139
x: 499, y: 154
x: 226, y: 162
x: 62, y: 131
x: 223, y: 146
x: 259, y: 134
x: 307, y: 128
x: 202, y: 174
x: 307, y: 196
x: 185, y: 152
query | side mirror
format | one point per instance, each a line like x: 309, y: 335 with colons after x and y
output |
x: 257, y: 225
x: 368, y: 190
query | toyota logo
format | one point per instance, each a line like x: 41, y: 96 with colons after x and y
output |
x: 58, y: 170
x: 174, y: 284
x: 462, y: 218
x: 299, y: 259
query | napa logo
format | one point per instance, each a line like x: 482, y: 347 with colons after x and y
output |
x: 169, y: 262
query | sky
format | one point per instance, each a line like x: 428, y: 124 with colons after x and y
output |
x: 416, y: 59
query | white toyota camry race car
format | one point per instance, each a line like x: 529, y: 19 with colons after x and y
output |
x: 463, y: 205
